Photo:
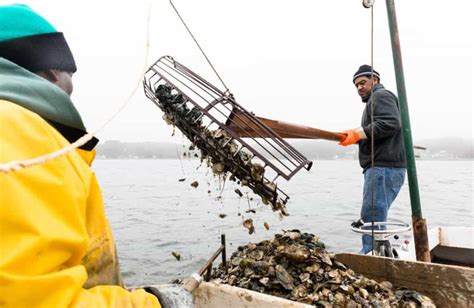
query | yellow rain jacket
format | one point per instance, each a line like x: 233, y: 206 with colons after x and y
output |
x: 56, y: 247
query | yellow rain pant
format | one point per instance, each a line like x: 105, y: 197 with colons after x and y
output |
x: 56, y: 248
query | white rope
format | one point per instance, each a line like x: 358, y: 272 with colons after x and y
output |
x: 16, y: 165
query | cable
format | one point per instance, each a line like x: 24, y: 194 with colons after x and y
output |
x: 199, y: 46
x: 372, y: 108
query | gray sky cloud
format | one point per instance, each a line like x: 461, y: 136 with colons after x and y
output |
x: 288, y: 60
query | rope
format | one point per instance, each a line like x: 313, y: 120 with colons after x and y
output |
x: 372, y: 107
x: 16, y: 165
x: 199, y: 46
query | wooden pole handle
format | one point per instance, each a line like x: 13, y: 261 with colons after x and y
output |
x: 244, y: 127
x: 288, y: 130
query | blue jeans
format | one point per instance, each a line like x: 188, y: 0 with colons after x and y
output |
x: 387, y: 184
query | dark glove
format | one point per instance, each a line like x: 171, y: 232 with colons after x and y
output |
x: 171, y: 295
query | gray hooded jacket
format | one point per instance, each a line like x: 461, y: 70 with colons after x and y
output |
x: 389, y: 147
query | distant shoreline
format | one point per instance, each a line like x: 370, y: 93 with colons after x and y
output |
x: 442, y: 149
x: 315, y: 159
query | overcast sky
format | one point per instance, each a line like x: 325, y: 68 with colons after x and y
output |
x: 287, y: 60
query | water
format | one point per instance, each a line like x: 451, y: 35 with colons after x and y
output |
x: 153, y: 215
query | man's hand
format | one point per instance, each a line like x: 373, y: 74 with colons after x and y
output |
x: 353, y: 136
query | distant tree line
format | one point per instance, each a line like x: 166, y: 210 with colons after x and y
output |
x: 450, y: 148
x: 118, y: 149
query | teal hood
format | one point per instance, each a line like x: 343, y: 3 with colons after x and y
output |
x: 38, y: 95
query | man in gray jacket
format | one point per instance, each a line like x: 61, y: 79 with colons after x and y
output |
x: 389, y: 152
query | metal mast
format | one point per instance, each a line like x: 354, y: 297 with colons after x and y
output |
x: 420, y: 232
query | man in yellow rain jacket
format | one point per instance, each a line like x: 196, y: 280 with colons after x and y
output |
x: 56, y: 248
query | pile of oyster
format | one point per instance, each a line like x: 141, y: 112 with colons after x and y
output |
x: 217, y: 148
x: 297, y: 267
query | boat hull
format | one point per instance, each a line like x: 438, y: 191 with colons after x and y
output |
x: 216, y: 295
x: 446, y: 285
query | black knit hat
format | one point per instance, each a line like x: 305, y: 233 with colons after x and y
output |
x: 365, y: 70
x: 31, y: 42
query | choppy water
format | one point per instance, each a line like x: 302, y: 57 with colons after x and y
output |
x: 152, y: 214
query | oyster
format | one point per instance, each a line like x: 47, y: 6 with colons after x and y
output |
x: 284, y: 278
x: 296, y: 266
x: 387, y: 285
x: 168, y: 119
x: 256, y: 254
x: 300, y: 291
x: 238, y: 192
x: 218, y: 168
x: 261, y: 267
x: 248, y: 223
x: 233, y: 148
x: 364, y: 293
x: 296, y: 253
x: 221, y: 152
x: 264, y: 281
x: 292, y: 235
x: 313, y: 268
x: 177, y: 255
x: 413, y: 298
x: 257, y: 171
x: 245, y: 262
x: 305, y: 277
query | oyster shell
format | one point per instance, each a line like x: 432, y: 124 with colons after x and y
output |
x: 233, y: 148
x: 296, y: 253
x: 248, y: 223
x: 284, y: 278
x: 238, y: 192
x: 296, y: 266
x: 256, y: 255
x: 177, y: 255
x: 168, y: 119
x: 218, y: 168
x: 256, y: 172
x: 224, y: 155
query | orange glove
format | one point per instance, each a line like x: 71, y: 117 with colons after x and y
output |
x: 352, y: 136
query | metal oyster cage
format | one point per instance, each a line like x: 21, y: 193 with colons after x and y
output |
x: 204, y: 114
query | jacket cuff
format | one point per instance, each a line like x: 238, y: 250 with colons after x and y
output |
x: 360, y: 131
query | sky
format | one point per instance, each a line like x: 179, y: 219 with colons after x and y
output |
x: 286, y: 60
